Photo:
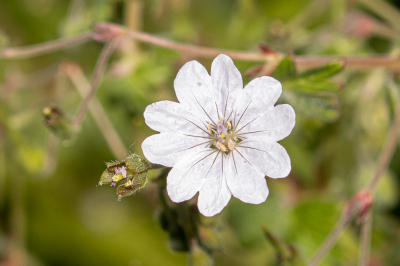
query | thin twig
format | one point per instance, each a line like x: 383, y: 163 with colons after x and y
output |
x: 365, y: 241
x: 97, y: 74
x: 117, y: 147
x: 334, y: 235
x: 387, y: 151
x: 383, y: 162
x: 352, y: 62
x: 46, y: 47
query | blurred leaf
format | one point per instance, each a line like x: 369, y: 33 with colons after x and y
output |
x: 313, y: 107
x: 324, y: 72
x: 286, y: 70
x: 306, y: 85
x: 199, y: 257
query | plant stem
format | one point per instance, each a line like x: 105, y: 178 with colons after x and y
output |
x: 333, y: 236
x: 45, y: 48
x: 117, y: 147
x: 94, y: 83
x: 383, y: 162
x: 365, y: 241
x: 387, y: 151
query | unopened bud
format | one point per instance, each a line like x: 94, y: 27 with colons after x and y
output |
x: 57, y: 122
x: 365, y: 199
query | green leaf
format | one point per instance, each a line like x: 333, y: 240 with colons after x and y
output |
x: 324, y: 72
x: 286, y: 70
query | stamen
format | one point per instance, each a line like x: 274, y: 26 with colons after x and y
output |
x: 231, y: 145
x: 221, y: 146
x: 209, y: 129
x: 220, y: 120
x: 229, y: 125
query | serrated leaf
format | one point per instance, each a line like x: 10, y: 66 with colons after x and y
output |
x: 324, y: 72
x: 286, y: 70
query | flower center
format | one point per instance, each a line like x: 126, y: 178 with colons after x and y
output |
x: 223, y: 136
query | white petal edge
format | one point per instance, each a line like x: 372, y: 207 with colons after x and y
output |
x: 167, y: 116
x: 257, y: 97
x: 169, y: 148
x: 226, y: 79
x: 273, y: 125
x: 244, y: 181
x: 193, y: 89
x: 214, y: 194
x: 187, y: 177
x: 270, y: 158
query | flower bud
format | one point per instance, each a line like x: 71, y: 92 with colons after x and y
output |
x: 57, y: 122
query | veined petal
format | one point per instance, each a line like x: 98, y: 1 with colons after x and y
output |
x: 270, y: 158
x: 188, y: 175
x: 169, y: 148
x: 214, y: 194
x: 167, y: 116
x: 194, y: 90
x: 257, y: 97
x: 274, y: 125
x: 226, y: 79
x: 245, y: 181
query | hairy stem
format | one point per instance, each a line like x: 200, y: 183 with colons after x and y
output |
x: 365, y: 241
x: 46, y: 47
x: 94, y: 83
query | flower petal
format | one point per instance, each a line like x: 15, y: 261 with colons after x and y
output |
x: 270, y: 158
x: 245, y: 181
x: 194, y: 90
x: 167, y: 116
x: 214, y: 194
x: 226, y: 79
x: 169, y: 148
x: 188, y: 175
x: 258, y: 96
x: 275, y: 124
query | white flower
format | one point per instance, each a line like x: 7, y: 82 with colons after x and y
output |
x: 220, y: 139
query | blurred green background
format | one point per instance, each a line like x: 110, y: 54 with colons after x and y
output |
x: 51, y: 212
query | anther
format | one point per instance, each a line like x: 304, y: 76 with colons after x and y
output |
x: 229, y: 125
x: 221, y: 146
x: 209, y: 129
x: 220, y: 120
x: 231, y: 145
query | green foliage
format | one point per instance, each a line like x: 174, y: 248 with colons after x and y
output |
x: 310, y: 93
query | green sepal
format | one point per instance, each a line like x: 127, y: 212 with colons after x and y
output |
x: 136, y: 163
x: 125, y: 191
x: 106, y: 177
